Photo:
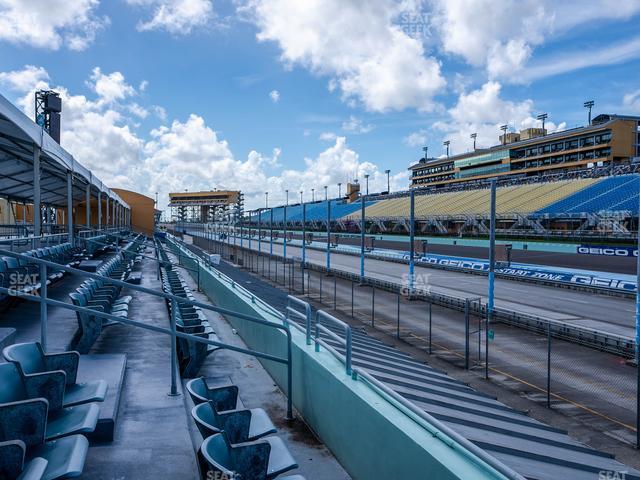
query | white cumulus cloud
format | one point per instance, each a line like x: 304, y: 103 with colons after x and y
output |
x: 274, y: 95
x: 51, y: 24
x: 178, y: 17
x: 356, y: 126
x: 483, y: 111
x: 365, y: 54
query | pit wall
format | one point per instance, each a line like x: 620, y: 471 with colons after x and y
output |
x: 370, y: 437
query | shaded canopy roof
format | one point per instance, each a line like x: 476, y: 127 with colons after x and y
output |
x: 19, y: 138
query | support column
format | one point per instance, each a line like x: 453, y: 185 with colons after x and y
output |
x: 99, y: 210
x: 106, y: 222
x: 70, y: 206
x: 113, y: 213
x: 37, y: 212
x: 88, y: 205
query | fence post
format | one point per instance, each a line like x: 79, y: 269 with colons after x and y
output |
x: 43, y: 306
x: 430, y: 308
x: 351, y: 298
x: 398, y: 320
x: 466, y: 334
x: 548, y: 364
x: 174, y: 388
x: 373, y: 305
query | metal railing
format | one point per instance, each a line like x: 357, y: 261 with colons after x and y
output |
x: 320, y: 315
x: 432, y: 425
x: 45, y: 301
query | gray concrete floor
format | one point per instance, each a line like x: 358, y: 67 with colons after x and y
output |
x: 152, y: 439
x: 258, y: 390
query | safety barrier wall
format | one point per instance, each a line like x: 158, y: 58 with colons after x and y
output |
x: 368, y: 435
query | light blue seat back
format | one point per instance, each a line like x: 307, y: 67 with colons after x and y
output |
x: 11, y: 386
x: 28, y: 355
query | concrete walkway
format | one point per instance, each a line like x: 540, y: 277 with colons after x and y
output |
x: 152, y: 437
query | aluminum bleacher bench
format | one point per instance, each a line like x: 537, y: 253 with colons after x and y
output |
x: 242, y: 425
x: 31, y: 360
x: 17, y: 390
x: 260, y: 460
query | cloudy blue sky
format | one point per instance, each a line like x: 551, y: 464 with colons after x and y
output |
x: 265, y: 95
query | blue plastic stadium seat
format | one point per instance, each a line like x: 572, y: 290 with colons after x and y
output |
x: 12, y: 462
x: 263, y: 459
x: 226, y: 397
x: 60, y: 421
x: 239, y: 425
x: 31, y: 359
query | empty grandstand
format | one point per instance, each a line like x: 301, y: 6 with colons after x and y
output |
x: 588, y: 205
x: 210, y: 206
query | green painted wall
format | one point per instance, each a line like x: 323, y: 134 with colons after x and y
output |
x: 369, y: 436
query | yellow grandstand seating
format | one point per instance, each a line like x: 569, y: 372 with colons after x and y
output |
x: 523, y: 199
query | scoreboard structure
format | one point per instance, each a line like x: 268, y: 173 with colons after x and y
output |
x: 206, y: 207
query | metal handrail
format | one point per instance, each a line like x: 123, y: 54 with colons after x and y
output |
x: 441, y: 431
x: 306, y: 316
x: 321, y: 314
x: 434, y: 426
x: 43, y: 300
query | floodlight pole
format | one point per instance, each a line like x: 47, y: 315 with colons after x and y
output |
x: 412, y: 233
x: 328, y: 236
x: 362, y: 224
x: 492, y: 265
x: 270, y: 232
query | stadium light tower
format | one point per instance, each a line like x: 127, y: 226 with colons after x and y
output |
x: 474, y: 136
x: 156, y: 199
x: 425, y: 149
x: 543, y: 117
x: 326, y: 193
x: 286, y: 192
x: 446, y: 143
x: 366, y: 177
x: 589, y: 104
x: 504, y: 133
x: 388, y: 188
x: 266, y: 199
x: 339, y: 190
x: 313, y: 194
x: 301, y: 192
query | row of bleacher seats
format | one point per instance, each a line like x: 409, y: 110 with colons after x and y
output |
x: 316, y: 211
x: 574, y: 195
x: 21, y: 275
x: 523, y: 199
x: 237, y: 442
x: 45, y: 414
x: 611, y: 194
x: 103, y: 296
x: 189, y: 319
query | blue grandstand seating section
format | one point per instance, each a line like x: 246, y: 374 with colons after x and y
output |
x: 610, y: 194
x: 315, y: 211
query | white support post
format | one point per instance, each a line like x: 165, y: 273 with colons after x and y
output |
x: 70, y: 206
x: 88, y: 205
x: 99, y: 210
x: 37, y: 207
